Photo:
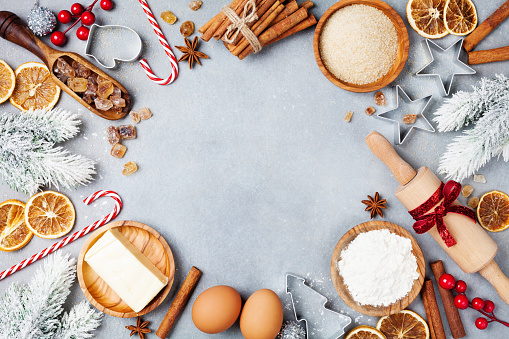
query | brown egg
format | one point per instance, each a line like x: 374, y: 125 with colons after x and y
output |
x: 262, y: 315
x: 216, y: 309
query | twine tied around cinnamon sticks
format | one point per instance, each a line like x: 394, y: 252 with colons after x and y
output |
x: 239, y: 25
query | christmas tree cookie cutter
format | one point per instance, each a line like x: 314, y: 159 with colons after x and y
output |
x: 103, y: 40
x: 445, y: 64
x: 309, y: 306
x: 395, y: 115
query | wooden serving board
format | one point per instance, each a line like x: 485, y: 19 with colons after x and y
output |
x: 343, y: 290
x: 150, y: 243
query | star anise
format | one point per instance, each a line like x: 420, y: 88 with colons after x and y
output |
x: 140, y: 328
x: 190, y: 52
x: 375, y: 205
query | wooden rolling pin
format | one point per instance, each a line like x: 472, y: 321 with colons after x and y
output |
x: 475, y: 250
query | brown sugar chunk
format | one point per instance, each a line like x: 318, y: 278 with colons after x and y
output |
x: 127, y: 132
x: 135, y: 117
x: 144, y: 113
x: 129, y: 168
x: 112, y: 135
x: 370, y: 110
x: 118, y: 150
x: 348, y: 116
x: 409, y: 119
x: 380, y: 99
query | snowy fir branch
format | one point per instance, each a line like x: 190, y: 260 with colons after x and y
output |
x: 33, y: 311
x: 475, y: 147
x: 486, y: 109
x: 464, y: 108
x: 28, y: 159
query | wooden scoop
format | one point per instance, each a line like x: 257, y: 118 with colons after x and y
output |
x: 475, y: 250
x: 14, y: 30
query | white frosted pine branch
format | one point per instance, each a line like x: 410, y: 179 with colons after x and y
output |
x: 28, y: 159
x: 475, y: 147
x: 79, y: 323
x: 463, y: 108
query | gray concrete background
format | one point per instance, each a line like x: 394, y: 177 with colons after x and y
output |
x: 247, y: 168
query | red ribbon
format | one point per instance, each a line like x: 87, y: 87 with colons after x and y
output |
x: 424, y: 222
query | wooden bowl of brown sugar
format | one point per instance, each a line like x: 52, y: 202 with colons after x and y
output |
x: 357, y: 48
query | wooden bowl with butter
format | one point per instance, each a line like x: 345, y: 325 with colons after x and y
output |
x: 401, y: 55
x: 150, y: 243
x: 342, y: 289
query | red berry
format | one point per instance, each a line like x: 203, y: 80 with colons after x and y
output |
x: 477, y: 304
x: 461, y: 301
x: 106, y: 5
x: 461, y: 286
x: 489, y: 306
x: 87, y: 18
x: 481, y: 323
x: 447, y: 281
x: 64, y: 16
x: 77, y: 9
x: 58, y: 38
x: 82, y: 33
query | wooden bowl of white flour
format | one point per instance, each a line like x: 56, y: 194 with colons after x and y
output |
x: 378, y: 268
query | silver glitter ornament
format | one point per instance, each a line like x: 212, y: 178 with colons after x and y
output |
x: 291, y: 330
x: 41, y: 20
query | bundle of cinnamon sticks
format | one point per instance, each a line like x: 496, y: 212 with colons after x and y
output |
x: 277, y: 19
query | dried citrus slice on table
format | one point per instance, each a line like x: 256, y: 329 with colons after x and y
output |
x: 7, y: 81
x: 493, y: 211
x: 34, y: 87
x: 460, y: 17
x: 49, y: 215
x: 365, y: 332
x: 427, y: 17
x: 403, y: 325
x: 14, y: 234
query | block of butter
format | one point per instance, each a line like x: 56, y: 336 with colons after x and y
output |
x: 125, y: 269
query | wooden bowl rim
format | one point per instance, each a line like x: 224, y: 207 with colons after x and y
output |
x: 393, y: 71
x: 160, y: 296
x: 342, y: 290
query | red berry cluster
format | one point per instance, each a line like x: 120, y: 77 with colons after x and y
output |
x: 83, y: 15
x: 485, y: 307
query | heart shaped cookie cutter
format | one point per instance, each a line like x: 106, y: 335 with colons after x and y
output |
x: 134, y: 42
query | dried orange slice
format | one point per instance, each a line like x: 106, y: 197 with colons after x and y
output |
x: 365, y: 332
x: 14, y: 234
x: 460, y: 17
x: 493, y: 211
x: 34, y: 87
x: 49, y: 214
x: 403, y: 325
x: 7, y: 81
x: 427, y: 17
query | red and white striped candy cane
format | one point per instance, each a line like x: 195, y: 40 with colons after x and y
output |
x: 166, y: 46
x: 76, y: 235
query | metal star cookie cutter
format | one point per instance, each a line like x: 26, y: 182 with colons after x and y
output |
x: 402, y: 134
x: 433, y: 68
x: 300, y: 293
x: 131, y: 41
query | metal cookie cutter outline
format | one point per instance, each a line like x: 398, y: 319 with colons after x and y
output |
x: 432, y: 45
x: 325, y: 300
x: 90, y: 43
x: 401, y: 93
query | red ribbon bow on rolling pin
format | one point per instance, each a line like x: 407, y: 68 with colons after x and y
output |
x: 424, y: 222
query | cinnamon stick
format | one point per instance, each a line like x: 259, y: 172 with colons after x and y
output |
x: 486, y: 27
x: 489, y: 55
x: 436, y: 328
x: 310, y: 21
x: 277, y: 30
x: 307, y: 4
x: 179, y: 303
x: 209, y: 23
x: 453, y: 316
x: 260, y: 26
x: 219, y: 19
x: 289, y: 9
x: 224, y: 26
x: 265, y: 8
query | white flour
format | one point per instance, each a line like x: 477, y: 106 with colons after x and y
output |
x: 378, y: 267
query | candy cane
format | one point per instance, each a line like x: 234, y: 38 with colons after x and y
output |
x: 166, y: 46
x: 76, y: 235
